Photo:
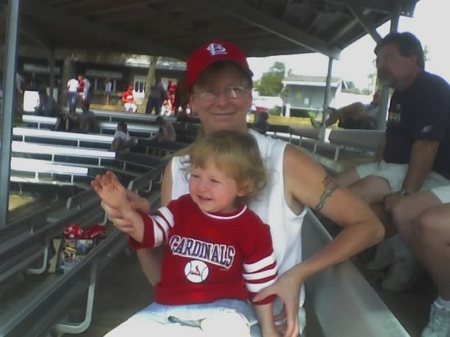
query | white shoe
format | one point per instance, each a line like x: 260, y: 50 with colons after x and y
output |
x: 402, y: 275
x: 383, y: 257
x: 439, y: 323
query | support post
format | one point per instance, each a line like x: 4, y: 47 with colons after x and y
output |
x: 9, y: 93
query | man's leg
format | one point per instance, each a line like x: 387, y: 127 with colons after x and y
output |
x: 149, y: 107
x: 432, y: 246
x: 408, y: 209
x: 347, y: 178
x: 405, y: 268
x: 371, y: 189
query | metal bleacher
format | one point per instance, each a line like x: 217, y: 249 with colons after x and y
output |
x: 36, y: 291
x: 43, y: 307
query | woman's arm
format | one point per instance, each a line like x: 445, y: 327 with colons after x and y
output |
x: 307, y: 184
x: 150, y: 259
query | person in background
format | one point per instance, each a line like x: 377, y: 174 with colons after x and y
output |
x: 205, y: 294
x: 354, y: 116
x: 108, y: 90
x: 87, y: 92
x: 166, y: 132
x: 219, y: 82
x: 81, y: 89
x: 122, y: 140
x: 156, y: 98
x: 166, y: 108
x: 47, y: 105
x: 72, y: 93
x: 262, y: 125
x: 128, y: 100
x: 88, y: 121
x: 72, y: 122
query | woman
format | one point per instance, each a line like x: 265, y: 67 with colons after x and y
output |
x: 219, y: 82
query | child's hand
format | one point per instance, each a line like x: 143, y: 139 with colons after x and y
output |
x: 110, y: 190
x: 118, y: 204
x: 273, y: 333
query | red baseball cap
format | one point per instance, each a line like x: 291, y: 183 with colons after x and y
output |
x: 211, y: 52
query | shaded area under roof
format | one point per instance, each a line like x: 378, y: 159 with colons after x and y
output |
x: 175, y: 27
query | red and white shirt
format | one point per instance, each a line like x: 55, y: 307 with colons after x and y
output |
x: 209, y: 256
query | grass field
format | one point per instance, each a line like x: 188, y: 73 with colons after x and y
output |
x: 17, y: 200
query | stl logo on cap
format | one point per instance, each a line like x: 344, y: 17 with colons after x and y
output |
x: 216, y: 49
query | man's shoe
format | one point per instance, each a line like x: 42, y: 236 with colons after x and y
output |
x: 439, y: 323
x: 403, y: 274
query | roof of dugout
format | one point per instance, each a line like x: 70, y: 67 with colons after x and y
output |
x: 173, y: 28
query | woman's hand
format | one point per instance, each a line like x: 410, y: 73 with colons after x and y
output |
x: 287, y: 288
x: 117, y: 217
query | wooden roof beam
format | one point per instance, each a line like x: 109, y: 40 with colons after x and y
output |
x: 88, y: 27
x: 274, y: 26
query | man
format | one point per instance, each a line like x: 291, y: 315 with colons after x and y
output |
x: 166, y: 132
x: 156, y: 98
x: 414, y: 154
x: 72, y: 93
x: 108, y: 90
x: 47, y: 105
x: 88, y: 122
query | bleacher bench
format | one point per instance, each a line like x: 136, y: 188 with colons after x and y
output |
x: 343, y: 302
x: 78, y: 139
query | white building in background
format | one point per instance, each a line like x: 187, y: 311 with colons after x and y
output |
x: 265, y: 103
x: 306, y: 94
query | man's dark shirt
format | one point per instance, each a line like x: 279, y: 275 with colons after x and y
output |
x: 88, y: 122
x: 421, y: 112
x: 48, y: 107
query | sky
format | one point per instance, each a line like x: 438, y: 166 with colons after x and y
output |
x: 430, y: 24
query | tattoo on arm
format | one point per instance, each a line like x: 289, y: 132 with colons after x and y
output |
x: 330, y: 186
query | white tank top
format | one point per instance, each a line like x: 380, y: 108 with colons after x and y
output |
x: 271, y: 205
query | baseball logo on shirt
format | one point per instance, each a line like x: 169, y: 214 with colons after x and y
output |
x: 196, y: 271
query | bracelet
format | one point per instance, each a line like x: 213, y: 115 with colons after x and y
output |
x: 403, y: 192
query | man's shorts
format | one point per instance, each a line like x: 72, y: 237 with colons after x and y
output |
x: 395, y: 174
x: 443, y: 193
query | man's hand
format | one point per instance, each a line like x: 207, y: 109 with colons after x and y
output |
x: 391, y: 200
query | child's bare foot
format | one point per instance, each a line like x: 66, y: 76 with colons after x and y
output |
x: 110, y: 190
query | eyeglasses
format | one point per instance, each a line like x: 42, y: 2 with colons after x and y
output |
x: 232, y: 92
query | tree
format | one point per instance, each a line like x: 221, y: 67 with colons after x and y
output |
x: 270, y: 83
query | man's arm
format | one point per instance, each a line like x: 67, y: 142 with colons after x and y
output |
x: 421, y: 161
x: 420, y: 165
